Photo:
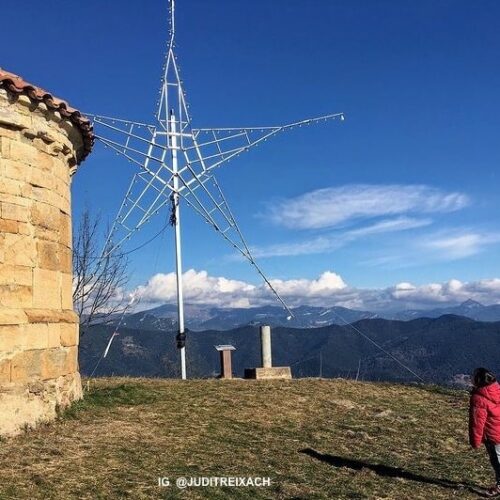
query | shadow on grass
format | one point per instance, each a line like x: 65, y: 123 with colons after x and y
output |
x: 388, y: 471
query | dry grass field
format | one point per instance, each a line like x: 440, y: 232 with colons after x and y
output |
x: 313, y: 438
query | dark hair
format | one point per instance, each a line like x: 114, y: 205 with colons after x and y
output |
x: 483, y: 377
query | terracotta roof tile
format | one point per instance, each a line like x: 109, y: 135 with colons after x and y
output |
x: 16, y: 85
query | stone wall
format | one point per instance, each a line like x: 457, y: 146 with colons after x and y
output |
x: 38, y: 328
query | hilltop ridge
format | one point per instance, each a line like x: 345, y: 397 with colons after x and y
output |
x: 313, y: 438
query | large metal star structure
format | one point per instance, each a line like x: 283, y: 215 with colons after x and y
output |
x: 178, y: 162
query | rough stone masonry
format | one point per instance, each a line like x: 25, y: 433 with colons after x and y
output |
x: 42, y: 140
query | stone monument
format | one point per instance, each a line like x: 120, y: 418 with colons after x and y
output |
x: 267, y: 371
x: 42, y: 140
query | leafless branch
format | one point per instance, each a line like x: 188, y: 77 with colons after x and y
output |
x: 98, y: 283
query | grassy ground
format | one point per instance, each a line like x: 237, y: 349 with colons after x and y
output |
x: 313, y: 438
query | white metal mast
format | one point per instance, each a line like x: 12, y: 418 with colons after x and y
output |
x: 177, y: 162
x: 181, y: 336
x: 171, y: 126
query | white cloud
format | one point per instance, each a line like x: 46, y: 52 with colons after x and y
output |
x: 327, y: 290
x: 333, y: 241
x: 434, y: 247
x: 460, y: 245
x: 335, y: 206
x: 328, y: 283
x: 389, y: 226
x: 315, y: 245
x: 199, y: 288
x: 451, y: 292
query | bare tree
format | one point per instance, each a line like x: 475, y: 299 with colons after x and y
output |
x: 97, y: 282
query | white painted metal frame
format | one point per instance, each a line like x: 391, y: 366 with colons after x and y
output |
x: 177, y: 161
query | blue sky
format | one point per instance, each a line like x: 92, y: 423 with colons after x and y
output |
x: 404, y: 191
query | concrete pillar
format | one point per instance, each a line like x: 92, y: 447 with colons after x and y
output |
x: 267, y: 371
x: 42, y: 140
x: 265, y: 343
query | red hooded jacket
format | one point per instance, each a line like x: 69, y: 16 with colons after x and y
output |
x: 484, y: 417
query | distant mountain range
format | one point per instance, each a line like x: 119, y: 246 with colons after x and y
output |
x: 201, y: 318
x: 469, y: 309
x: 441, y: 350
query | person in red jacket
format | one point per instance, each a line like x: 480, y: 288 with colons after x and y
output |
x: 484, y: 419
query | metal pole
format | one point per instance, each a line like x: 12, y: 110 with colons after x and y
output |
x: 181, y: 337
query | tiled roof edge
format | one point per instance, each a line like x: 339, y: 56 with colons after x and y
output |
x: 16, y: 85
